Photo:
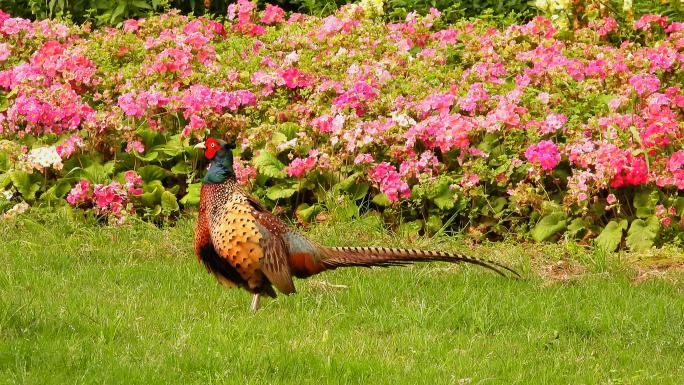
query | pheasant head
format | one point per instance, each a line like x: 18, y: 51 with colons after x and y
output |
x: 220, y: 155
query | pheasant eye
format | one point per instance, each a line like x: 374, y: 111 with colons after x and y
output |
x: 213, y: 145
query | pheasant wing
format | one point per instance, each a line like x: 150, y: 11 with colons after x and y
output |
x: 274, y: 262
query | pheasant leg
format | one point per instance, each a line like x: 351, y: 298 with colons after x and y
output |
x: 255, y: 303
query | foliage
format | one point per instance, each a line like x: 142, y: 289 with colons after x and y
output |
x: 523, y: 129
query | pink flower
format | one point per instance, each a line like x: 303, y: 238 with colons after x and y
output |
x: 5, y: 51
x: 363, y: 159
x: 545, y: 153
x: 79, y: 194
x: 273, y: 14
x: 133, y: 183
x: 390, y: 181
x: 644, y: 83
x: 135, y: 145
x: 611, y: 199
x: 196, y: 122
x: 130, y: 25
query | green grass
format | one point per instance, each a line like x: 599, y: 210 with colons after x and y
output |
x: 83, y: 304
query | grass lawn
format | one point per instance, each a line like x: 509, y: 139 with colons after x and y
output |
x: 131, y: 305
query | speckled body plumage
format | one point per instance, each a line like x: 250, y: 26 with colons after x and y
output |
x: 245, y: 246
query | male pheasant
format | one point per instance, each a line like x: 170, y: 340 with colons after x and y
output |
x: 245, y: 246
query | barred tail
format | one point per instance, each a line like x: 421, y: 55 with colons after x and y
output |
x: 382, y: 256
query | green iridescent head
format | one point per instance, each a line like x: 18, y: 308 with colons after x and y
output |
x: 220, y: 154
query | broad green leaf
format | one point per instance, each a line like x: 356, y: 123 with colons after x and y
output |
x: 280, y: 192
x: 25, y: 184
x: 141, y: 4
x: 381, y: 199
x: 147, y: 157
x: 548, y: 226
x: 433, y: 224
x: 5, y: 179
x: 58, y: 191
x: 118, y: 11
x: 192, y: 198
x: 410, y: 229
x: 269, y: 165
x: 153, y: 193
x: 611, y: 236
x: 98, y: 173
x: 576, y: 226
x: 278, y: 138
x: 181, y: 168
x: 443, y: 196
x: 305, y: 212
x: 289, y: 129
x: 645, y: 203
x: 151, y: 172
x: 4, y: 162
x: 679, y: 206
x: 169, y: 203
x: 642, y: 233
x: 359, y: 190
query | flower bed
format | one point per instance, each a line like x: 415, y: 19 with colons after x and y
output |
x: 526, y: 129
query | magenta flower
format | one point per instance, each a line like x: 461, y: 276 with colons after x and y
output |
x: 545, y: 153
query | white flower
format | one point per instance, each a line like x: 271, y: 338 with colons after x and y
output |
x: 7, y: 194
x: 402, y: 120
x: 19, y: 208
x: 44, y: 157
x: 292, y: 57
x: 627, y: 5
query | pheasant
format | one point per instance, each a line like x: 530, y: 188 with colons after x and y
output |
x: 243, y: 245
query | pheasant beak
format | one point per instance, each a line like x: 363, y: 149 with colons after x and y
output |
x: 200, y: 145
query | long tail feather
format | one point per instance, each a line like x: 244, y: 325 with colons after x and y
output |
x: 382, y: 256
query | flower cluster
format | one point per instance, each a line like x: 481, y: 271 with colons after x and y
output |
x: 519, y: 113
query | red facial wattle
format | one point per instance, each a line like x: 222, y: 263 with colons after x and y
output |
x: 212, y: 146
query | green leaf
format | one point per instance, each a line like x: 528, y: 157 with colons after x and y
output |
x: 58, y: 191
x: 645, y: 203
x: 445, y: 200
x: 434, y: 224
x: 153, y: 193
x: 118, y: 11
x: 98, y: 173
x: 305, y: 212
x: 269, y: 165
x: 642, y: 233
x: 5, y: 179
x: 381, y: 199
x: 577, y: 226
x: 169, y: 203
x: 192, y: 198
x: 548, y: 226
x: 147, y: 157
x: 410, y: 229
x: 611, y: 236
x: 278, y: 138
x: 280, y: 192
x: 181, y: 168
x: 442, y: 195
x: 289, y: 129
x: 141, y: 4
x: 359, y: 190
x: 151, y: 172
x: 679, y: 206
x: 25, y: 184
